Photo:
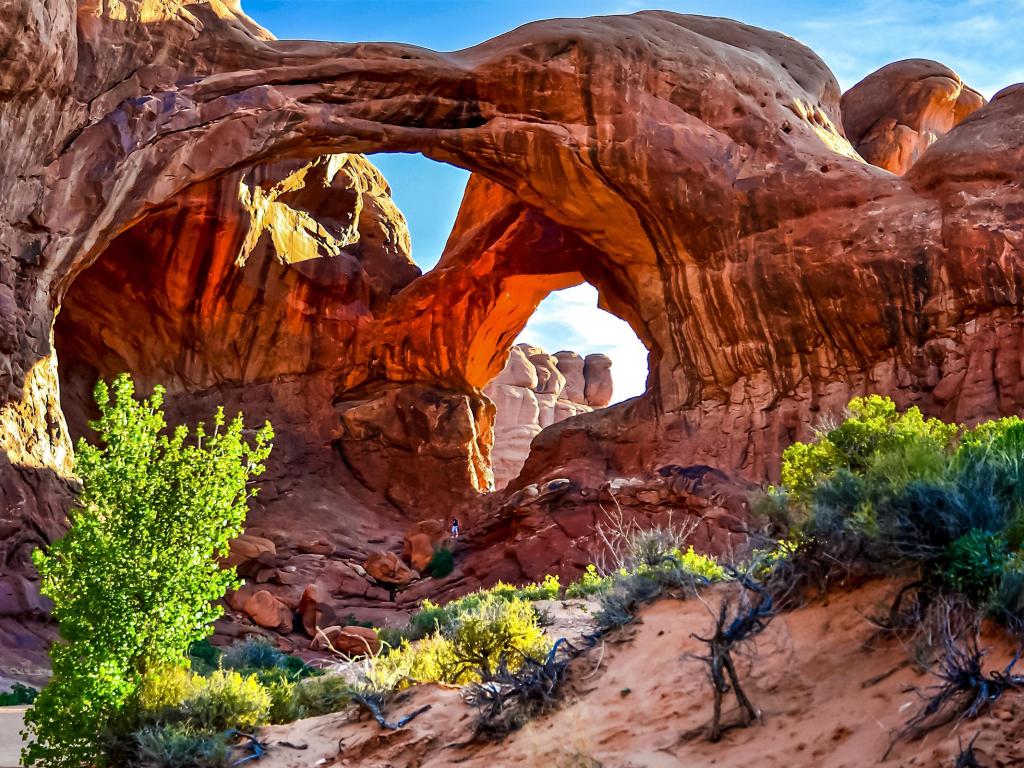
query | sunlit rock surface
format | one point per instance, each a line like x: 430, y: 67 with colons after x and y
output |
x: 534, y: 390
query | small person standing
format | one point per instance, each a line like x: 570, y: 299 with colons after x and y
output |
x: 455, y: 527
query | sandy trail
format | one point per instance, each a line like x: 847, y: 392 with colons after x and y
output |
x: 809, y: 676
x: 10, y: 736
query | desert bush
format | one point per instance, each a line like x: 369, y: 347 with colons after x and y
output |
x: 137, y: 577
x: 624, y: 591
x: 589, y: 584
x: 178, y: 746
x: 628, y: 547
x: 258, y: 656
x: 203, y: 657
x: 19, y: 694
x: 468, y: 645
x: 548, y: 589
x: 441, y: 564
x: 165, y: 688
x: 892, y: 490
x: 1006, y: 602
x: 975, y: 564
x: 227, y: 699
x: 873, y: 426
x: 433, y: 617
x: 318, y: 696
x: 512, y: 698
x: 253, y: 653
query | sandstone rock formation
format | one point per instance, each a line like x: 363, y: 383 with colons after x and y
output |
x: 694, y: 170
x: 534, y: 390
x: 350, y: 641
x: 597, y: 372
x: 894, y: 114
x: 388, y: 568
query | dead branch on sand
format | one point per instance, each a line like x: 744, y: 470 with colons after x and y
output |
x: 374, y: 704
x: 735, y: 625
x: 965, y: 690
x: 966, y: 758
x: 509, y: 699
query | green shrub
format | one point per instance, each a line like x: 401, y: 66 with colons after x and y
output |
x: 319, y: 696
x: 226, y: 699
x: 135, y: 580
x: 19, y: 694
x: 178, y: 746
x: 441, y: 564
x: 203, y: 657
x: 590, y: 583
x: 976, y: 562
x: 469, y: 647
x: 253, y: 653
x: 896, y: 490
x: 1006, y: 603
x: 619, y: 605
x: 873, y: 426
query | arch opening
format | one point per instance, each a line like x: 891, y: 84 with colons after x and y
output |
x: 571, y: 358
x: 287, y: 290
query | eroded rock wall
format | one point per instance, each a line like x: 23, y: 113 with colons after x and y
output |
x: 696, y: 171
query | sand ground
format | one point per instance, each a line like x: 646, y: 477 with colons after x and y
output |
x: 10, y: 736
x: 829, y: 696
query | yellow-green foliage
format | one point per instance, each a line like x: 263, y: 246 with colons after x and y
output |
x: 873, y: 426
x: 432, y: 617
x: 226, y: 699
x: 468, y: 649
x: 703, y: 566
x: 590, y: 583
x: 166, y: 688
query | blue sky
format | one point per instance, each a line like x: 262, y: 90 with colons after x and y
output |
x: 980, y: 39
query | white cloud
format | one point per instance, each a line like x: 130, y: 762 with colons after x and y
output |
x: 571, y: 319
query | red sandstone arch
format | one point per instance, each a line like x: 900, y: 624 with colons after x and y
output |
x: 694, y: 169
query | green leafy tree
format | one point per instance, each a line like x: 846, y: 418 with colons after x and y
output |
x: 135, y: 579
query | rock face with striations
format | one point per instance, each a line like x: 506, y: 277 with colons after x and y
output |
x: 535, y: 390
x: 725, y: 215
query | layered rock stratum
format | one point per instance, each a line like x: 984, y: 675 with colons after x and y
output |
x: 535, y: 390
x: 182, y: 195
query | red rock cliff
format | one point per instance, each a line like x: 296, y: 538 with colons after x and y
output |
x: 695, y: 170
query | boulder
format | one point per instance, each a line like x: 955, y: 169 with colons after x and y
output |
x: 418, y: 551
x: 348, y: 640
x: 388, y: 568
x: 314, y: 597
x: 268, y: 611
x: 248, y: 547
